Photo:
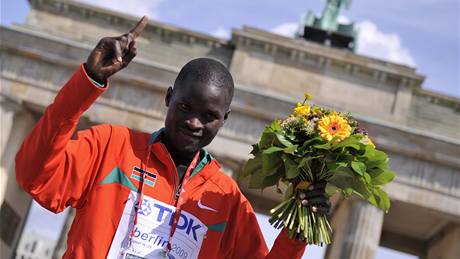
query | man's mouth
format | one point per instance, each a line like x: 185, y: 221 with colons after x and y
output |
x: 189, y: 134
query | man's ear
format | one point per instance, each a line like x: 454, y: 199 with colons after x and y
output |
x: 168, y: 96
x: 226, y: 114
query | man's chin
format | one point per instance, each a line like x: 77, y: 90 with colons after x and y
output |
x: 191, y: 149
x: 188, y: 150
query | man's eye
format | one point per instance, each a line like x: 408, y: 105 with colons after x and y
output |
x: 211, y: 116
x: 183, y: 106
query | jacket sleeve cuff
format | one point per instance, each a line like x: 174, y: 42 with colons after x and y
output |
x: 94, y: 82
x: 288, y: 247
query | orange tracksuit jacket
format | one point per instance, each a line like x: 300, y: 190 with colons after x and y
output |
x: 98, y: 172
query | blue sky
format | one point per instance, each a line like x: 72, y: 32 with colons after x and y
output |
x: 420, y: 33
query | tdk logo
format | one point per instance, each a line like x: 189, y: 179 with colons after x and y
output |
x: 146, y: 208
x: 165, y: 214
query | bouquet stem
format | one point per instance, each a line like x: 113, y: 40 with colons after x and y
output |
x: 302, y: 223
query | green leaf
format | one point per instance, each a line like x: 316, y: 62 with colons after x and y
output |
x: 375, y: 158
x: 347, y: 192
x: 282, y: 140
x: 334, y: 165
x: 367, y: 178
x: 380, y: 199
x: 345, y: 179
x: 261, y: 180
x: 304, y: 160
x: 270, y: 162
x: 290, y: 167
x: 350, y: 142
x: 271, y: 150
x: 374, y: 200
x: 369, y: 152
x: 311, y: 142
x: 384, y: 200
x: 380, y: 155
x: 374, y: 155
x: 252, y: 166
x: 267, y: 139
x: 325, y: 146
x: 358, y: 167
x: 273, y: 179
x: 376, y: 164
x: 256, y: 180
x: 275, y: 126
x: 381, y: 177
x: 331, y: 189
x: 290, y: 149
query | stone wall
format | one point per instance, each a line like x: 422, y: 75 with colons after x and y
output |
x: 160, y: 43
x: 335, y: 78
x: 435, y: 113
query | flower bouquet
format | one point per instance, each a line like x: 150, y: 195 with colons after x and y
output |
x: 316, y: 144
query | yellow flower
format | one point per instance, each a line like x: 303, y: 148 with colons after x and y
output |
x: 302, y: 109
x: 307, y: 96
x: 315, y: 110
x: 332, y: 126
x: 371, y: 143
x: 368, y: 141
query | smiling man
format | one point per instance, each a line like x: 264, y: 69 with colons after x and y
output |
x: 140, y: 195
x: 198, y: 106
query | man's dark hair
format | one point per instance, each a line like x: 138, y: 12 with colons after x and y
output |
x: 209, y: 71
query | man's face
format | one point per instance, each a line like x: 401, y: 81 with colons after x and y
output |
x: 196, y: 111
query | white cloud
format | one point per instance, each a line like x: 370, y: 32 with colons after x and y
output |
x: 133, y: 7
x: 371, y: 41
x: 286, y: 29
x: 378, y: 44
x: 343, y: 19
x: 221, y: 32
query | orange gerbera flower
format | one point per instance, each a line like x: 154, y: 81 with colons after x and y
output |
x: 332, y: 126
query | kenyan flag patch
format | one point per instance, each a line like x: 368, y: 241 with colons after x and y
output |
x: 149, y: 178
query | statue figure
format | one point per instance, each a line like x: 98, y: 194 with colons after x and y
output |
x: 326, y: 29
x: 331, y: 13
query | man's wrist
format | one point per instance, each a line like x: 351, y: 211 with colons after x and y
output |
x: 93, y: 79
x: 96, y: 82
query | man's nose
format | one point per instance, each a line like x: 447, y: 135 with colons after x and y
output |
x: 194, y: 123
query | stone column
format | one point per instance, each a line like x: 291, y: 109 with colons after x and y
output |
x: 15, y: 203
x: 446, y: 246
x: 357, y: 230
x: 7, y: 111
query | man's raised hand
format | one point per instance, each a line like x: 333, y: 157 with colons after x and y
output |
x: 112, y: 54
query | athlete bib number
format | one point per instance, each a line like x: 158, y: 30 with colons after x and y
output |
x: 152, y: 231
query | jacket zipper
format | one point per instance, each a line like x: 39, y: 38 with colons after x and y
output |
x: 176, y: 176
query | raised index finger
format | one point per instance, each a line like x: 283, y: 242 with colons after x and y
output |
x: 137, y: 30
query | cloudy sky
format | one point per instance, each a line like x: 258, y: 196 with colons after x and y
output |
x: 419, y: 33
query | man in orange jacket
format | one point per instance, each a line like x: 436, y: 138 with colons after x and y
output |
x: 140, y: 195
